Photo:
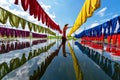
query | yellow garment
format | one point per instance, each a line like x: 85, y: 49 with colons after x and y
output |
x: 3, y: 16
x: 87, y: 11
x: 14, y: 20
x: 78, y: 72
x: 23, y: 23
x: 35, y: 28
x: 30, y: 26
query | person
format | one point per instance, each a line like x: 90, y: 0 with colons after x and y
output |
x: 64, y: 39
x: 64, y: 33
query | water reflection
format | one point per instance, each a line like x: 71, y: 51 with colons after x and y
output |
x: 110, y: 67
x: 114, y: 49
x: 17, y: 62
x: 78, y: 71
x: 8, y: 46
x: 37, y: 74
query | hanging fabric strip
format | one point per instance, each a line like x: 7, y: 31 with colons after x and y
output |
x: 30, y: 26
x: 118, y: 31
x: 23, y: 23
x: 113, y: 23
x: 87, y: 10
x: 14, y: 20
x: 39, y: 29
x: 35, y: 28
x: 25, y: 4
x: 36, y: 10
x: 3, y: 16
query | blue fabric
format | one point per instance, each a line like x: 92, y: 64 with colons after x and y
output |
x: 106, y: 26
x: 80, y: 35
x: 118, y: 31
x: 79, y: 46
x: 97, y: 31
x: 100, y: 31
x: 113, y: 24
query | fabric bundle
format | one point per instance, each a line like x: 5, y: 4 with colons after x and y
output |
x: 15, y: 21
x: 108, y: 30
x: 36, y: 10
x: 87, y: 11
x: 8, y: 32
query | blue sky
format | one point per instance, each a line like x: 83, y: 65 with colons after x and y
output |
x: 66, y: 11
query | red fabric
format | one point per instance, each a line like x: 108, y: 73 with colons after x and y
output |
x: 36, y: 10
x: 32, y: 9
x: 113, y: 50
x: 16, y: 2
x: 39, y: 12
x: 114, y: 39
x: 108, y: 48
x: 118, y: 37
x: 25, y: 4
x: 109, y: 39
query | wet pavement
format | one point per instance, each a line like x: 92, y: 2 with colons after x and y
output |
x: 57, y: 60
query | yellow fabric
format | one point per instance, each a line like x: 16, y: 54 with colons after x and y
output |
x: 30, y: 26
x: 14, y: 20
x: 23, y: 23
x: 35, y: 28
x: 78, y: 72
x: 87, y: 11
x: 3, y: 16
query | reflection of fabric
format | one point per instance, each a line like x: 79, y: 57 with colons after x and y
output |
x: 87, y: 11
x: 78, y: 72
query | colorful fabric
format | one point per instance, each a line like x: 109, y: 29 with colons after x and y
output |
x: 30, y: 26
x: 36, y: 10
x: 87, y: 11
x: 23, y: 23
x: 3, y: 15
x: 14, y: 20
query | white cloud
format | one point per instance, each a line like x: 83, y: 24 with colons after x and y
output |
x: 45, y: 7
x: 101, y: 13
x: 79, y: 30
x: 115, y: 15
x: 17, y: 10
x: 93, y: 25
x: 47, y: 10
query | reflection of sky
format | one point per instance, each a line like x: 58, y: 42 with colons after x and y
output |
x: 109, y: 55
x: 23, y: 72
x: 6, y: 57
x: 60, y: 68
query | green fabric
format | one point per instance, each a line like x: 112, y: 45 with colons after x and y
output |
x: 35, y: 28
x: 39, y: 29
x: 3, y: 16
x: 23, y: 23
x: 14, y: 20
x: 30, y: 26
